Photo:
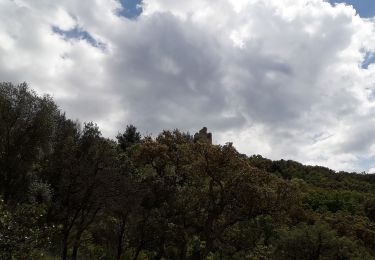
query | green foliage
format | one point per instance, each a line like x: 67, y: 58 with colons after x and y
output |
x: 70, y: 193
x: 318, y: 241
x: 23, y: 235
x: 26, y: 129
x: 39, y: 193
x: 130, y: 137
x: 325, y: 200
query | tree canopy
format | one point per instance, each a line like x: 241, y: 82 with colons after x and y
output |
x: 68, y: 192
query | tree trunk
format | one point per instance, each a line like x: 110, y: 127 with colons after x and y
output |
x: 65, y: 248
x: 139, y: 249
x: 120, y: 240
x: 76, y: 245
x: 66, y: 234
x: 161, y: 249
x: 6, y: 186
x: 182, y: 251
x: 75, y: 251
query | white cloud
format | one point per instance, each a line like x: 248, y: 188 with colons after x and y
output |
x: 282, y: 78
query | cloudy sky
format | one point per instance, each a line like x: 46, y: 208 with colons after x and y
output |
x: 282, y: 78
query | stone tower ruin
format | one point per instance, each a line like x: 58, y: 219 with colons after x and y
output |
x: 203, y: 136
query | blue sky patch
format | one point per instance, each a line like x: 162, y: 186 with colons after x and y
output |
x: 77, y: 33
x: 369, y: 59
x: 131, y: 8
x: 365, y: 8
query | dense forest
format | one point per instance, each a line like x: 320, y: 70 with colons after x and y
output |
x: 67, y: 192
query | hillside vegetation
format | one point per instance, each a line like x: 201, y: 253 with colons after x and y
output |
x: 67, y: 192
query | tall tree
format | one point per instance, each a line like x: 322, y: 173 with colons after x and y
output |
x: 79, y: 170
x: 129, y: 137
x: 26, y: 129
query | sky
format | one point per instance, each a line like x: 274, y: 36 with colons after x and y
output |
x: 365, y: 8
x: 281, y: 78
